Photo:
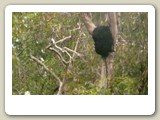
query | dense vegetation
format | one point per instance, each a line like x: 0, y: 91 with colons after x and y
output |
x: 32, y: 34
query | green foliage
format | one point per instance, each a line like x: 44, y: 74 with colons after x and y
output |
x: 32, y: 33
x: 125, y: 86
x: 132, y: 55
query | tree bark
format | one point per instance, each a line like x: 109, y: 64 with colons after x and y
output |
x: 113, y: 22
x: 86, y: 17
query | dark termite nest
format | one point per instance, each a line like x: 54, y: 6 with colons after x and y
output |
x: 103, y: 40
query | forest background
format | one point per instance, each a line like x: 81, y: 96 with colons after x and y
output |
x: 40, y: 70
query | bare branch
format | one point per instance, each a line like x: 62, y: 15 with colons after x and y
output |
x: 58, y: 50
x: 45, y: 67
x: 61, y: 58
x: 73, y: 51
x: 62, y: 50
x: 60, y: 88
x: 68, y: 37
x: 62, y: 40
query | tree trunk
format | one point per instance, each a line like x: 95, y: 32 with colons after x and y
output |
x: 113, y: 22
x: 107, y: 66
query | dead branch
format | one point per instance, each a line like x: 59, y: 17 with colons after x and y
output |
x: 64, y: 49
x: 59, y: 50
x: 52, y: 73
x: 59, y: 54
x: 76, y: 46
x: 45, y: 67
x: 68, y: 37
x: 60, y: 88
x: 73, y: 51
x: 62, y: 40
x: 78, y: 28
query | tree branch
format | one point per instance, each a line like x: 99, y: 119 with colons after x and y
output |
x: 61, y: 58
x: 62, y: 40
x: 73, y: 51
x: 88, y: 22
x: 45, y: 67
x: 114, y: 24
x: 59, y: 50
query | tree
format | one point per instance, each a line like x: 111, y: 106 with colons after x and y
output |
x: 53, y: 53
x: 113, y: 24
